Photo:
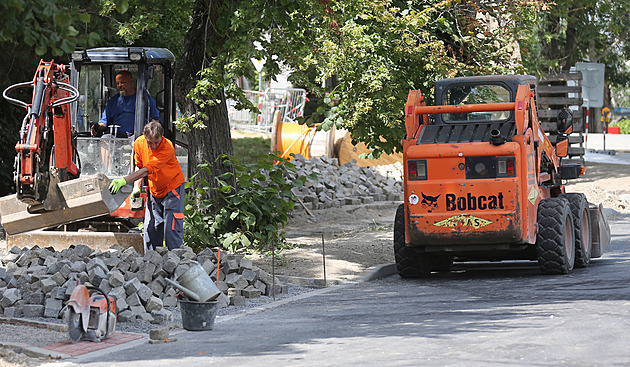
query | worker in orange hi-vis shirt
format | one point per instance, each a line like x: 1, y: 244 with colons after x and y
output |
x: 164, y: 214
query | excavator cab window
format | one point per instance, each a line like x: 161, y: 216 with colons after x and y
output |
x: 476, y: 94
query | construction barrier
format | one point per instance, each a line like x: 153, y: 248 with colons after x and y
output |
x: 289, y: 102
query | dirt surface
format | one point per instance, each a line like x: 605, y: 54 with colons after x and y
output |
x: 359, y: 237
x: 355, y: 238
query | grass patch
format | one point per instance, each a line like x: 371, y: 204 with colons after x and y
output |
x: 249, y: 149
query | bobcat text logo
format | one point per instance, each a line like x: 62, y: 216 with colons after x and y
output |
x: 463, y: 220
x: 429, y: 201
x: 472, y: 202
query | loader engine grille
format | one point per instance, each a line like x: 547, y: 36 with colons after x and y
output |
x: 464, y: 133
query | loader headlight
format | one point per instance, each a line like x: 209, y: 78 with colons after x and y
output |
x: 480, y: 169
x: 136, y: 54
x: 490, y: 167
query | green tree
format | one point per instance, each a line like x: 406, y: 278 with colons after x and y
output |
x: 570, y: 31
x: 377, y: 50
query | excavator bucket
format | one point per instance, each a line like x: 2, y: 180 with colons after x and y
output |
x: 81, y: 198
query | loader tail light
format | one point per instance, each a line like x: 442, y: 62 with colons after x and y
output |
x: 506, y: 167
x: 417, y: 169
x: 511, y: 171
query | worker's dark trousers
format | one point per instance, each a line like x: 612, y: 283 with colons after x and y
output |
x: 164, y: 220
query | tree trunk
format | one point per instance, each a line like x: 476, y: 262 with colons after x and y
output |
x: 204, y: 145
x: 570, y: 47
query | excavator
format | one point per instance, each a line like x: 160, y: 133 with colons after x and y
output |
x: 62, y: 171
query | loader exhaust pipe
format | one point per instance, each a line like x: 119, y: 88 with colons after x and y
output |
x: 496, y: 138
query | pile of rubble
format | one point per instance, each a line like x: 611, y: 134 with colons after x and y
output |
x: 347, y: 184
x: 37, y: 282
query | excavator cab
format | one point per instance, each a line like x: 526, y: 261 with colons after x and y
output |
x: 94, y: 75
x: 80, y: 191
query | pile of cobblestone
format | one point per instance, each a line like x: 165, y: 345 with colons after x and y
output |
x: 347, y: 184
x: 37, y: 282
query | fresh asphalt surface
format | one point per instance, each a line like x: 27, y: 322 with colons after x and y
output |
x: 480, y: 314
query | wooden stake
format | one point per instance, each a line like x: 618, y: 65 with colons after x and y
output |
x: 218, y: 266
x: 304, y: 206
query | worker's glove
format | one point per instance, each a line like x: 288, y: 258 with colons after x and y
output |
x: 98, y: 129
x: 136, y: 192
x: 116, y: 185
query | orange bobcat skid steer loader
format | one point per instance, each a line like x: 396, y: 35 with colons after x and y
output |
x: 482, y: 181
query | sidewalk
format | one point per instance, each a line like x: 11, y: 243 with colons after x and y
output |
x: 617, y: 148
x: 618, y: 142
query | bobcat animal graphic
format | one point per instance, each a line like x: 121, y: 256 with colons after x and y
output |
x: 429, y: 201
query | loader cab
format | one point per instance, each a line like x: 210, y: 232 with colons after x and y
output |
x: 478, y: 90
x: 495, y: 127
x: 94, y: 75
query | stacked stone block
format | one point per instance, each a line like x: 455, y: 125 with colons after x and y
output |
x: 347, y: 184
x: 37, y: 282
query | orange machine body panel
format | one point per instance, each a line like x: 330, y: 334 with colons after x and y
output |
x: 473, y: 194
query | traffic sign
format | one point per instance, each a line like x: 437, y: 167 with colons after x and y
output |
x: 606, y: 114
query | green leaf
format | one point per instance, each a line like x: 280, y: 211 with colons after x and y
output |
x: 40, y: 49
x: 122, y: 6
x: 84, y: 17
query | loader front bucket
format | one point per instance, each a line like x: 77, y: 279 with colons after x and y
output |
x: 600, y: 230
x: 81, y: 198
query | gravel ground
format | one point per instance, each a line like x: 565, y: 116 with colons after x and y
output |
x: 40, y: 336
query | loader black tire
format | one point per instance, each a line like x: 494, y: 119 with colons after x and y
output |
x: 555, y: 245
x: 410, y: 262
x: 581, y: 228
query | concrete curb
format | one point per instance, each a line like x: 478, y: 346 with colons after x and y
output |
x: 43, y: 324
x: 378, y: 271
x: 109, y: 350
x: 32, y: 351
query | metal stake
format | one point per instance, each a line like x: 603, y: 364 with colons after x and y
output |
x: 324, y: 259
x: 273, y: 269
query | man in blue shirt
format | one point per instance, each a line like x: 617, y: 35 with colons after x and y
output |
x: 121, y: 108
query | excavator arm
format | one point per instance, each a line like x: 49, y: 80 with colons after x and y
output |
x: 45, y: 153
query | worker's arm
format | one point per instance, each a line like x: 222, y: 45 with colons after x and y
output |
x: 116, y: 184
x: 135, y: 176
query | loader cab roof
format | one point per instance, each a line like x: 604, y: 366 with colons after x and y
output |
x: 478, y: 90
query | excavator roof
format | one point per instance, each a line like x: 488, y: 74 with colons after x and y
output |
x: 152, y: 55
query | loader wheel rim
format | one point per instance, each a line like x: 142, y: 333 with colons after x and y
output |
x: 569, y: 244
x: 586, y: 233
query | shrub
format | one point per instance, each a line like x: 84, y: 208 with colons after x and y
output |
x: 253, y: 211
x: 624, y: 125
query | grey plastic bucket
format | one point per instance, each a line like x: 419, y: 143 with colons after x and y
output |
x: 198, y: 316
x: 197, y: 281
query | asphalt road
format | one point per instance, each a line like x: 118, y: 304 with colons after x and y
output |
x: 484, y: 314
